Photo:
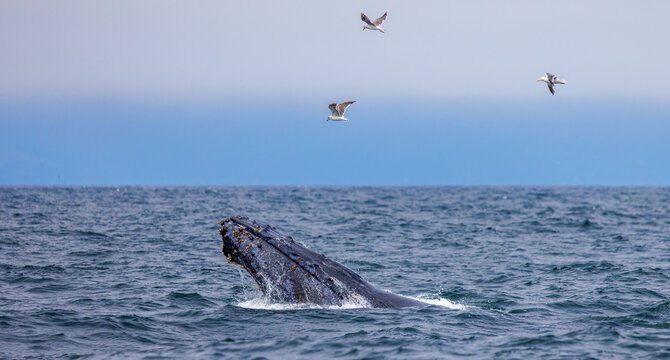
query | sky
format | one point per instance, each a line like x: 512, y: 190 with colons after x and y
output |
x: 236, y: 93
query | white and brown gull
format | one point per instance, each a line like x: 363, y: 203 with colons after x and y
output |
x: 338, y: 111
x: 551, y: 80
x: 373, y: 25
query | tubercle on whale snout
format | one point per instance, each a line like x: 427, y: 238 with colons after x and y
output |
x: 227, y: 247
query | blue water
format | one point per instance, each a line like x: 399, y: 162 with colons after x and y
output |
x: 524, y: 272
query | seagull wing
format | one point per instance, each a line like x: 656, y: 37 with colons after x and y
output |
x: 333, y: 109
x: 366, y: 19
x: 551, y: 88
x: 378, y: 21
x: 341, y: 108
x: 550, y: 77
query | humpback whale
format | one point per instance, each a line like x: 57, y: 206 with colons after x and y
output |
x: 288, y: 272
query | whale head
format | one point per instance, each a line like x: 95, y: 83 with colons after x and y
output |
x: 287, y: 271
x: 283, y: 269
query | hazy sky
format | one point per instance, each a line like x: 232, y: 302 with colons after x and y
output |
x: 236, y: 93
x: 220, y: 51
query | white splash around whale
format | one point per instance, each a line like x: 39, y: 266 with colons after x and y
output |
x: 264, y: 303
x: 438, y: 301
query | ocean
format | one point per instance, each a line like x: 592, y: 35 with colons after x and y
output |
x: 506, y: 272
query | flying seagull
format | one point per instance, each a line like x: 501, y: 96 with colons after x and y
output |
x: 338, y: 111
x: 551, y: 80
x: 373, y: 25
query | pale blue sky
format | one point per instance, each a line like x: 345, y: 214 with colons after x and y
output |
x: 222, y: 51
x: 167, y: 92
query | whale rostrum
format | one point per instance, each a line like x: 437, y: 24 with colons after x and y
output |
x: 288, y: 272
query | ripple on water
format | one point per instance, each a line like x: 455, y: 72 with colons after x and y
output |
x: 525, y: 272
x: 189, y: 299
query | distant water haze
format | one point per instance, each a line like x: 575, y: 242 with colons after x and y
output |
x: 460, y: 143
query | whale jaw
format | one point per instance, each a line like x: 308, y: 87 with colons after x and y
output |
x: 275, y: 263
x: 288, y: 272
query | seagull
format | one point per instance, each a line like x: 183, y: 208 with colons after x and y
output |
x: 551, y: 80
x: 373, y: 25
x: 338, y: 111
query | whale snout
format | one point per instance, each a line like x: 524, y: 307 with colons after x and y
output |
x: 242, y: 243
x: 229, y: 245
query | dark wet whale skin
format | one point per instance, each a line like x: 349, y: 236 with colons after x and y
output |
x: 288, y: 272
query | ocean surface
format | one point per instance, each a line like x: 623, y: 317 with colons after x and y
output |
x: 506, y: 272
